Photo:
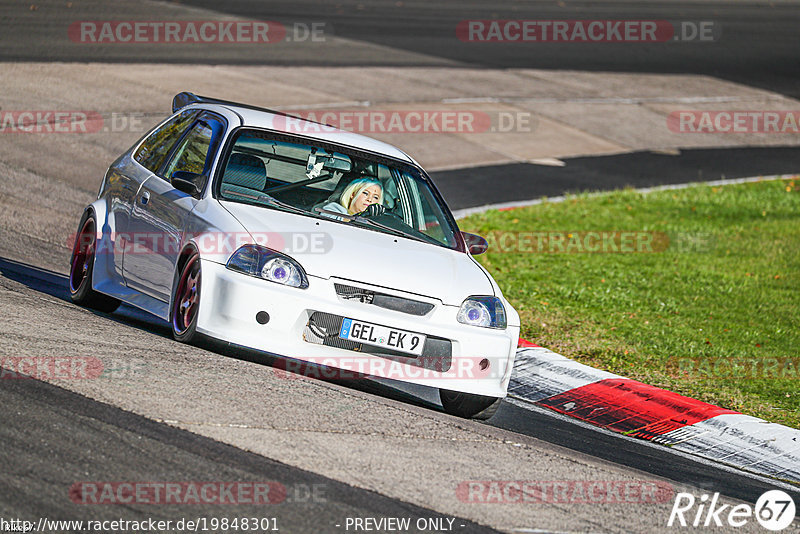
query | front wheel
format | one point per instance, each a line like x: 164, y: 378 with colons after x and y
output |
x: 468, y: 405
x: 82, y: 268
x: 186, y: 303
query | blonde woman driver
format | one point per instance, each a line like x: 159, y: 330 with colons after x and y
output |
x: 361, y: 196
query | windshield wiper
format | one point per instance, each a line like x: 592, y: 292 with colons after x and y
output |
x: 370, y: 222
x: 276, y: 202
x: 269, y: 201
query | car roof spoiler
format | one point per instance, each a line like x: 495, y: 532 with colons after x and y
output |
x: 181, y: 100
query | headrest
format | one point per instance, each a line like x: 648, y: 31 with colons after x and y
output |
x: 246, y: 170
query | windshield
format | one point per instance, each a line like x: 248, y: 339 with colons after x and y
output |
x: 336, y: 183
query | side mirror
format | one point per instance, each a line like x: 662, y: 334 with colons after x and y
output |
x: 185, y: 181
x: 475, y: 243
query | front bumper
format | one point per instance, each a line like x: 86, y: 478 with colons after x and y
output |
x: 230, y: 301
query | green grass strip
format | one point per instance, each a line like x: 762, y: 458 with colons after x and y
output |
x: 695, y: 290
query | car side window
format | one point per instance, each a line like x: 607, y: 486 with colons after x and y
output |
x: 192, y: 151
x: 154, y: 149
x: 427, y: 211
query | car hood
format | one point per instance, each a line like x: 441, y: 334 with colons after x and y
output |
x: 328, y: 249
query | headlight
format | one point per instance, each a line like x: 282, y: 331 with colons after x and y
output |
x: 268, y: 264
x: 487, y: 312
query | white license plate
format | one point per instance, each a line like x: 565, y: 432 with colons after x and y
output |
x: 382, y: 336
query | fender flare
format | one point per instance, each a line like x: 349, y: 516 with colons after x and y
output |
x: 103, y: 239
x: 186, y: 251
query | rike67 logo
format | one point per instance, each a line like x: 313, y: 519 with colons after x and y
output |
x: 774, y: 510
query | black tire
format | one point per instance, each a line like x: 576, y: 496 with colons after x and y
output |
x: 82, y: 267
x: 468, y: 405
x: 186, y: 300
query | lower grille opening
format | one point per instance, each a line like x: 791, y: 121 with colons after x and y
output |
x: 323, y: 329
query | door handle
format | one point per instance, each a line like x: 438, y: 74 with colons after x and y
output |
x: 145, y: 197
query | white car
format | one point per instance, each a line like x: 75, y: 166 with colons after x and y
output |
x: 301, y: 240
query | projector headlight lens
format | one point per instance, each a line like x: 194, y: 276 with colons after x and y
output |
x: 268, y: 264
x: 484, y: 311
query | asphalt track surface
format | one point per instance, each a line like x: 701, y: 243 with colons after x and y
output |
x: 67, y: 431
x: 517, y: 181
x: 757, y: 42
x: 71, y: 437
x: 59, y: 428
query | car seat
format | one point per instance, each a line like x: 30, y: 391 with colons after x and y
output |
x: 244, y: 174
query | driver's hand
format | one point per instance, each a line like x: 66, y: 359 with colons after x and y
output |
x: 373, y: 210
